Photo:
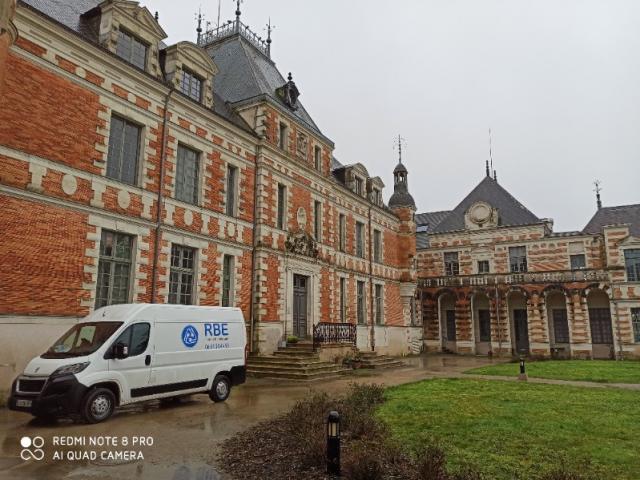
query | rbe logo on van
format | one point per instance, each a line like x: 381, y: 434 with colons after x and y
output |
x: 189, y: 336
x: 122, y: 354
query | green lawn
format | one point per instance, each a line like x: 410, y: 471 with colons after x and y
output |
x: 604, y: 371
x: 503, y: 427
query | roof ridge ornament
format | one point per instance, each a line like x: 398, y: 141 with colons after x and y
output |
x: 598, y: 189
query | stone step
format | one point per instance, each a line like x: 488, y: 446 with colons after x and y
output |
x: 380, y: 361
x: 308, y: 369
x: 295, y: 354
x: 326, y: 375
x: 285, y: 361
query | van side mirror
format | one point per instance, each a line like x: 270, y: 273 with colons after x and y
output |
x: 120, y: 351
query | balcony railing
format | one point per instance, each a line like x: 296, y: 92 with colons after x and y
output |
x: 326, y: 333
x: 516, y: 278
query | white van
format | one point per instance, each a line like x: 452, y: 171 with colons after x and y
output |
x: 123, y: 354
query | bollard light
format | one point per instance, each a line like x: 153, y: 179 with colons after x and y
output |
x: 333, y: 443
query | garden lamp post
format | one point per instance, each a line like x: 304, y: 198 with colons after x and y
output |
x: 333, y: 443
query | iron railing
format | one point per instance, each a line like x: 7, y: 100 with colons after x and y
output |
x: 326, y: 332
x: 232, y: 28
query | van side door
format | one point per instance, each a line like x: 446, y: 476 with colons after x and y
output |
x: 134, y: 368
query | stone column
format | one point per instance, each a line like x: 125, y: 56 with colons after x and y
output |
x: 464, y: 327
x: 578, y: 317
x: 500, y: 331
x: 538, y: 328
x: 8, y: 35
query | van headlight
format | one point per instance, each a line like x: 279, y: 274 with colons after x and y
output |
x: 70, y: 369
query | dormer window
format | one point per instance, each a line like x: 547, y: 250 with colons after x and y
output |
x: 131, y: 49
x: 191, y: 85
x: 375, y: 196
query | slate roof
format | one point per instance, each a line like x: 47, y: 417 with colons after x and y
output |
x: 66, y: 12
x: 426, y: 222
x: 246, y: 73
x: 510, y: 211
x: 615, y: 216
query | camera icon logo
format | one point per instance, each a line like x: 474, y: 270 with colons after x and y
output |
x: 32, y: 448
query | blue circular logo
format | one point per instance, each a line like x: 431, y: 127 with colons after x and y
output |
x: 189, y: 336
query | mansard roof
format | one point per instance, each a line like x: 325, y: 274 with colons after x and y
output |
x: 621, y: 214
x: 67, y: 12
x: 510, y: 211
x: 246, y: 73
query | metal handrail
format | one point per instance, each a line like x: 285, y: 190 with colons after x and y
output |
x: 231, y: 28
x: 327, y: 332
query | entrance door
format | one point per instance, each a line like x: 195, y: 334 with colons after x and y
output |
x: 521, y: 330
x: 300, y: 283
x: 601, y: 332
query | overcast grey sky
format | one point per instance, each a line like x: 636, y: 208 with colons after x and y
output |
x: 557, y: 81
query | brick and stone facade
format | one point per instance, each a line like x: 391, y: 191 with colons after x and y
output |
x: 495, y: 279
x: 67, y: 90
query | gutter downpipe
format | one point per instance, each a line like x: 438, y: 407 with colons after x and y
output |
x: 160, y: 202
x: 373, y: 327
x: 252, y: 329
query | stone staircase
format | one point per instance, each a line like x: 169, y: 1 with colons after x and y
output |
x: 373, y: 360
x: 295, y: 362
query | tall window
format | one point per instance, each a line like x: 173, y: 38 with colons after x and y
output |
x: 632, y: 264
x: 361, y: 304
x: 483, y: 266
x: 360, y: 239
x: 124, y: 147
x: 375, y: 196
x: 187, y: 175
x: 232, y: 174
x: 451, y: 325
x: 578, y: 261
x: 114, y: 268
x: 191, y: 85
x: 131, y: 49
x: 484, y: 324
x: 343, y: 299
x: 317, y: 220
x: 518, y: 259
x: 282, y: 142
x: 227, y: 280
x: 377, y: 246
x: 635, y: 321
x: 451, y: 264
x: 379, y: 313
x: 342, y: 232
x: 317, y: 157
x: 282, y: 199
x: 181, y: 275
x: 560, y: 325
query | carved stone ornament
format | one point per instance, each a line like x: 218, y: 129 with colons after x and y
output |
x: 301, y: 144
x: 481, y: 215
x: 289, y: 93
x: 301, y: 218
x: 301, y: 243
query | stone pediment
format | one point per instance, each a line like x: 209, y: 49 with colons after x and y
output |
x: 630, y: 241
x: 142, y: 15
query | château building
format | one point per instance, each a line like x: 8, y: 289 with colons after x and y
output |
x: 135, y: 171
x: 494, y: 279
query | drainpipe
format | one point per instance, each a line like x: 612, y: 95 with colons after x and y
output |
x: 252, y: 329
x: 160, y: 202
x: 373, y: 327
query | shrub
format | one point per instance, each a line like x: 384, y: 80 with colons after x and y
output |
x: 292, y: 339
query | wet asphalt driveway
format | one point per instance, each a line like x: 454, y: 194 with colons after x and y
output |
x: 181, y: 438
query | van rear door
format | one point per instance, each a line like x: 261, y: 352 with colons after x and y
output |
x: 135, y: 369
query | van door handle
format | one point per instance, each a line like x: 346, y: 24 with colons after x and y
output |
x: 147, y: 360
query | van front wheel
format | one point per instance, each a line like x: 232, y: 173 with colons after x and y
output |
x: 98, y: 405
x: 220, y: 389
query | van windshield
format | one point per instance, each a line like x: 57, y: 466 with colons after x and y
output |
x: 82, y: 339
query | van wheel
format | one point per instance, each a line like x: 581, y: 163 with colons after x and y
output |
x: 98, y: 405
x: 220, y: 389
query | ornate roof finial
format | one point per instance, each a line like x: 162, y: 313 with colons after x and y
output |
x: 486, y: 166
x: 156, y: 16
x: 490, y: 156
x: 270, y: 28
x: 598, y: 189
x: 495, y: 176
x: 238, y: 12
x: 398, y: 144
x: 199, y: 17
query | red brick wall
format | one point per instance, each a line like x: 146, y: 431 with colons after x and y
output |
x: 63, y: 130
x: 42, y: 253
